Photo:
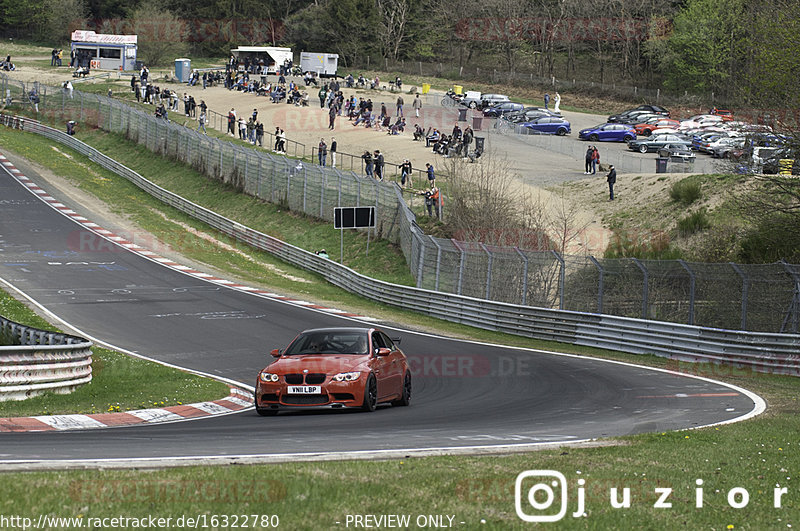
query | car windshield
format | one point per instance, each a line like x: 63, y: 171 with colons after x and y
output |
x: 328, y: 342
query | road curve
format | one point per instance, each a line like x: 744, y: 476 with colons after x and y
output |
x: 466, y: 394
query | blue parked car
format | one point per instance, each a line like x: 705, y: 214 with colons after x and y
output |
x: 610, y: 132
x: 554, y: 125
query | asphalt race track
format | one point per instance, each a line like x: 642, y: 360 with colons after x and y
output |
x: 465, y: 394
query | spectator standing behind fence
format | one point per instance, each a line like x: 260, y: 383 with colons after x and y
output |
x: 432, y: 201
x: 405, y: 173
x: 557, y: 103
x: 417, y: 105
x: 595, y: 159
x: 611, y: 178
x: 546, y: 100
x: 322, y: 154
x: 281, y: 136
x: 322, y: 95
x: 260, y: 134
x: 431, y: 176
x: 232, y: 122
x: 251, y: 131
x: 332, y: 116
x: 378, y: 164
x: 367, y: 157
x: 333, y: 152
x: 201, y: 122
x: 242, y: 129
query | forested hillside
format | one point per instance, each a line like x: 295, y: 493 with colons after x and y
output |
x: 742, y: 52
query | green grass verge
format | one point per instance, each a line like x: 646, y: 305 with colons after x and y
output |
x: 119, y: 382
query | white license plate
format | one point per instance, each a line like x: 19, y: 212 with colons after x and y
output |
x: 304, y: 390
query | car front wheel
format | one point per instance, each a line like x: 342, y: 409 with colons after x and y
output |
x: 405, y: 396
x: 643, y: 149
x: 561, y: 132
x: 594, y: 138
x: 370, y: 394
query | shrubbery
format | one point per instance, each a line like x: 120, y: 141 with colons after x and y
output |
x: 686, y: 191
x: 694, y: 222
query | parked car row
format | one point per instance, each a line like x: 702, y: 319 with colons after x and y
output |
x: 651, y: 129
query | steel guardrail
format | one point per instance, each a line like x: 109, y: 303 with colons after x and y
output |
x: 759, y: 351
x: 39, y: 361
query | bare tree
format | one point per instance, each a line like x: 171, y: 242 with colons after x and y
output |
x: 564, y: 224
x: 393, y: 16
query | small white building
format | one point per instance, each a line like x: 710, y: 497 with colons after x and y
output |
x: 104, y: 51
x: 273, y: 56
x: 324, y: 64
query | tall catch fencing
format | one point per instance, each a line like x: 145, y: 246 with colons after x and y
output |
x: 762, y: 297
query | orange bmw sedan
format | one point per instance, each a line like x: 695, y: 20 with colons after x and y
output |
x: 338, y: 367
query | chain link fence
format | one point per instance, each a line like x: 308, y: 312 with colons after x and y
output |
x: 764, y: 297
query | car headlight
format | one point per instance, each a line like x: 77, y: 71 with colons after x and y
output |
x: 269, y: 377
x: 346, y: 376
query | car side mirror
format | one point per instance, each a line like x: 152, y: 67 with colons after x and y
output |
x: 383, y: 351
x: 276, y: 353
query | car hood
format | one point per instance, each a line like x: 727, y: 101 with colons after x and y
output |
x: 327, y: 363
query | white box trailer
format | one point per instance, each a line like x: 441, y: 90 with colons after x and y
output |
x: 324, y: 64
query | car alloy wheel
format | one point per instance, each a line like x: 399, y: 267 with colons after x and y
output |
x: 405, y: 397
x: 561, y: 132
x: 642, y: 148
x: 370, y: 394
x: 594, y: 138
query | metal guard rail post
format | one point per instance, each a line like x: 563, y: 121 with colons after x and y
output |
x: 764, y: 352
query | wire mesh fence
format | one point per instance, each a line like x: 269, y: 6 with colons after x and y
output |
x: 763, y: 297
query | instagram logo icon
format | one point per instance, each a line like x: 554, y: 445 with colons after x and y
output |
x: 536, y: 502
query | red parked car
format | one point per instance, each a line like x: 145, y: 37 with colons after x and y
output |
x: 647, y: 128
x: 338, y: 367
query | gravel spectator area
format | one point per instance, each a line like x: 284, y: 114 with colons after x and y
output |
x: 536, y: 170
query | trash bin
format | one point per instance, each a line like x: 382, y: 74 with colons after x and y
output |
x: 458, y: 89
x: 426, y: 87
x: 462, y: 115
x: 477, y: 122
x: 183, y: 67
x: 661, y: 164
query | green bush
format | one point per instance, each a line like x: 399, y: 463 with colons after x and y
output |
x: 686, y: 191
x: 694, y: 222
x: 645, y: 245
x: 772, y: 239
